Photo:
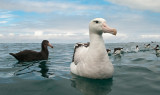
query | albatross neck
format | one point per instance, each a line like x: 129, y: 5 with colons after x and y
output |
x: 44, y: 50
x: 97, y: 42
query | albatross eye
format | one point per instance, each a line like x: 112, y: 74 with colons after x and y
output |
x: 96, y: 21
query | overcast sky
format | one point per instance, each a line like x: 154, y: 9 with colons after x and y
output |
x: 66, y: 21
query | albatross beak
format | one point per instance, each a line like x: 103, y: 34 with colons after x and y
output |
x: 107, y: 29
x: 50, y: 45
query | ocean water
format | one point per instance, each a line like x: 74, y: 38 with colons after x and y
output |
x: 136, y: 73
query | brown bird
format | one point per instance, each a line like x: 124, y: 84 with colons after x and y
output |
x: 30, y: 55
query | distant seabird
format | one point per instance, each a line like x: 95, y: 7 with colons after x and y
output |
x: 117, y: 51
x: 137, y: 49
x: 157, y: 49
x: 147, y: 46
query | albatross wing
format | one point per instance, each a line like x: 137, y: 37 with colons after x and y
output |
x: 80, y: 50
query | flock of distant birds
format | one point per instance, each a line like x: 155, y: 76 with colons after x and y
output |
x: 118, y: 51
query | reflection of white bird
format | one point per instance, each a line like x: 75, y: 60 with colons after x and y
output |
x: 93, y: 61
x: 92, y: 86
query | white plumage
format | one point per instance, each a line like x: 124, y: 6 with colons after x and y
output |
x: 157, y: 49
x: 118, y: 51
x: 137, y: 49
x: 147, y: 46
x: 92, y: 60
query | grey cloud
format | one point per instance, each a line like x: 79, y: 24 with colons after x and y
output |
x: 42, y: 7
x: 151, y: 5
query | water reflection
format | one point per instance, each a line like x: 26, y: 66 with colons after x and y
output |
x: 44, y: 69
x: 158, y: 55
x: 91, y: 86
x: 30, y: 67
x: 117, y: 57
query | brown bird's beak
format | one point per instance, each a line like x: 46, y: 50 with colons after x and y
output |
x: 50, y: 45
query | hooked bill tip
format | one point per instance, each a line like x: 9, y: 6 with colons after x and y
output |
x: 115, y: 32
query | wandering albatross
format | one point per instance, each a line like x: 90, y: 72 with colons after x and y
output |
x: 91, y: 60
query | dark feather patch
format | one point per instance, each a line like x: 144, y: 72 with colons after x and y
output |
x: 77, y: 45
x: 115, y: 49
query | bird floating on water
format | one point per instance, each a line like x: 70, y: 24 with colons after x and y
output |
x: 117, y: 51
x: 147, y: 46
x: 137, y: 48
x: 30, y: 55
x: 92, y: 60
x: 157, y: 49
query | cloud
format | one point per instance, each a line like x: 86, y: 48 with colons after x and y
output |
x: 11, y: 34
x: 68, y: 21
x: 151, y: 36
x: 1, y: 35
x: 5, y: 16
x: 133, y: 22
x: 67, y: 37
x: 120, y: 35
x: 2, y: 22
x: 152, y: 5
x: 38, y: 33
x: 41, y: 6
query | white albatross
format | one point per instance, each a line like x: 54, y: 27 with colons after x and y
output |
x: 92, y: 61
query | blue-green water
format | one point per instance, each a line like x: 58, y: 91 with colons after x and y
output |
x: 135, y: 73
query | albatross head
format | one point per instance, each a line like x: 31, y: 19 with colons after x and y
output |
x: 46, y: 43
x: 99, y: 26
